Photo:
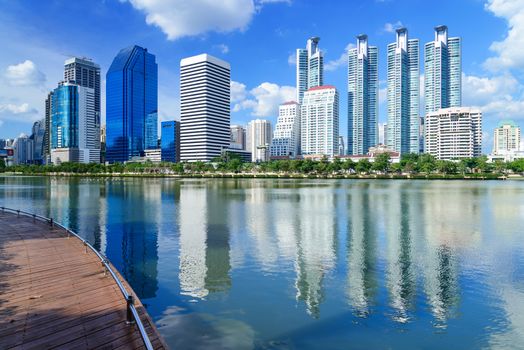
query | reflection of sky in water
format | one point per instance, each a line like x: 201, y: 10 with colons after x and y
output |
x: 282, y: 264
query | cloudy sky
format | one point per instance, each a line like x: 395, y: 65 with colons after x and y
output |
x: 258, y: 38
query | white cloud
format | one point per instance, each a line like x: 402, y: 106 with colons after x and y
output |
x: 24, y: 74
x: 292, y: 59
x: 18, y: 112
x: 182, y: 18
x: 341, y: 61
x: 495, y: 96
x: 509, y: 51
x: 391, y: 27
x: 263, y: 100
x: 223, y: 48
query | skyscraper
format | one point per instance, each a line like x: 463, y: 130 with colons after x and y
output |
x: 453, y: 133
x: 286, y: 137
x: 310, y: 67
x: 506, y: 137
x: 204, y: 107
x: 151, y: 133
x: 37, y: 135
x: 170, y: 141
x: 259, y: 135
x: 442, y: 72
x: 84, y: 72
x: 362, y: 97
x: 75, y: 133
x: 238, y: 137
x: 131, y: 98
x: 403, y: 94
x: 319, y: 122
x: 47, y: 133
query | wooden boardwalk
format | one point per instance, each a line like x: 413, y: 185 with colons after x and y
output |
x: 55, y: 295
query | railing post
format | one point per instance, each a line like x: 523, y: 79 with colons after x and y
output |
x: 85, y: 245
x: 34, y: 217
x: 51, y: 222
x: 18, y: 213
x: 130, y: 302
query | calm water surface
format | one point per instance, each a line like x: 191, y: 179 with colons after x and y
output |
x: 290, y: 264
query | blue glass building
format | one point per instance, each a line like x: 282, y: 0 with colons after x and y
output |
x: 131, y: 96
x: 171, y: 141
x: 64, y: 121
x: 151, y: 131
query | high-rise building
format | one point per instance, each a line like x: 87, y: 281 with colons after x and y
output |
x: 84, y: 72
x: 319, y: 122
x: 23, y: 150
x: 131, y: 98
x: 506, y: 137
x: 37, y: 135
x: 75, y: 133
x: 238, y: 137
x: 286, y: 137
x: 454, y: 133
x: 170, y: 141
x: 204, y: 107
x: 362, y: 97
x: 47, y: 134
x: 310, y: 67
x: 259, y: 135
x: 442, y: 72
x: 383, y: 133
x: 403, y: 94
x: 151, y: 134
x: 341, y: 146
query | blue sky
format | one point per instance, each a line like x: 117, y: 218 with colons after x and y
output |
x: 258, y: 38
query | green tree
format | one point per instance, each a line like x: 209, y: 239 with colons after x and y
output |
x: 382, y: 162
x: 446, y: 167
x: 363, y: 166
x: 2, y: 165
x: 426, y: 163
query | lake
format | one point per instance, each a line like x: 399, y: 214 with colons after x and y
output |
x: 305, y: 264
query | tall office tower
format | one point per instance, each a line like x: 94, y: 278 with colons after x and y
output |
x: 403, y: 94
x: 23, y: 150
x: 204, y: 107
x: 131, y: 98
x: 47, y: 134
x: 37, y: 135
x: 170, y: 141
x: 319, y: 122
x: 286, y: 137
x: 151, y: 133
x: 341, y: 146
x: 75, y: 133
x: 238, y: 137
x: 259, y: 135
x: 442, y: 72
x: 383, y: 133
x: 453, y: 133
x: 84, y: 72
x: 422, y: 135
x: 310, y: 67
x: 362, y: 97
x: 506, y: 138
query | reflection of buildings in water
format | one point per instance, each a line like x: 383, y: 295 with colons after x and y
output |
x: 362, y: 255
x: 316, y: 246
x: 132, y: 233
x: 258, y: 222
x: 286, y: 223
x: 400, y: 274
x: 204, y: 241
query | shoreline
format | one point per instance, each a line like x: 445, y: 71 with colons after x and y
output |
x: 475, y: 177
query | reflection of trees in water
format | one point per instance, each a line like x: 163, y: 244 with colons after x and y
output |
x: 361, y: 247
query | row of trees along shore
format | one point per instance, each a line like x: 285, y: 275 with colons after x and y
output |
x: 409, y: 165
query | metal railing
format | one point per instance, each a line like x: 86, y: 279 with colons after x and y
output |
x: 132, y: 313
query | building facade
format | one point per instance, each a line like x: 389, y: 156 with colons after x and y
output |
x: 403, y: 94
x: 131, y: 98
x: 204, y: 108
x: 442, y: 72
x: 362, y: 97
x: 23, y: 150
x: 47, y: 134
x: 454, y: 133
x: 238, y: 137
x: 506, y: 138
x: 170, y: 141
x: 37, y: 135
x: 258, y: 140
x: 310, y: 67
x: 286, y: 137
x: 75, y: 132
x: 84, y: 72
x: 319, y: 122
x: 151, y: 132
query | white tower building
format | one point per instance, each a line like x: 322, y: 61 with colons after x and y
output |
x: 259, y: 135
x: 286, y: 138
x: 310, y: 67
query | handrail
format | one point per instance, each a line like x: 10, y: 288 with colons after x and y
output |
x: 132, y: 313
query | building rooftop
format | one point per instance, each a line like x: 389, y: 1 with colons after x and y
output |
x: 323, y: 87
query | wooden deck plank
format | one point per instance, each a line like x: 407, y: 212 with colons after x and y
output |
x: 54, y: 294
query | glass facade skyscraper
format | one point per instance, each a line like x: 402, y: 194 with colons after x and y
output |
x: 403, y: 94
x: 131, y: 96
x: 170, y: 141
x: 310, y: 67
x: 362, y: 97
x: 151, y: 138
x: 442, y: 72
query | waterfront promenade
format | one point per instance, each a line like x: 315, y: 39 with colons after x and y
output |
x: 56, y: 293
